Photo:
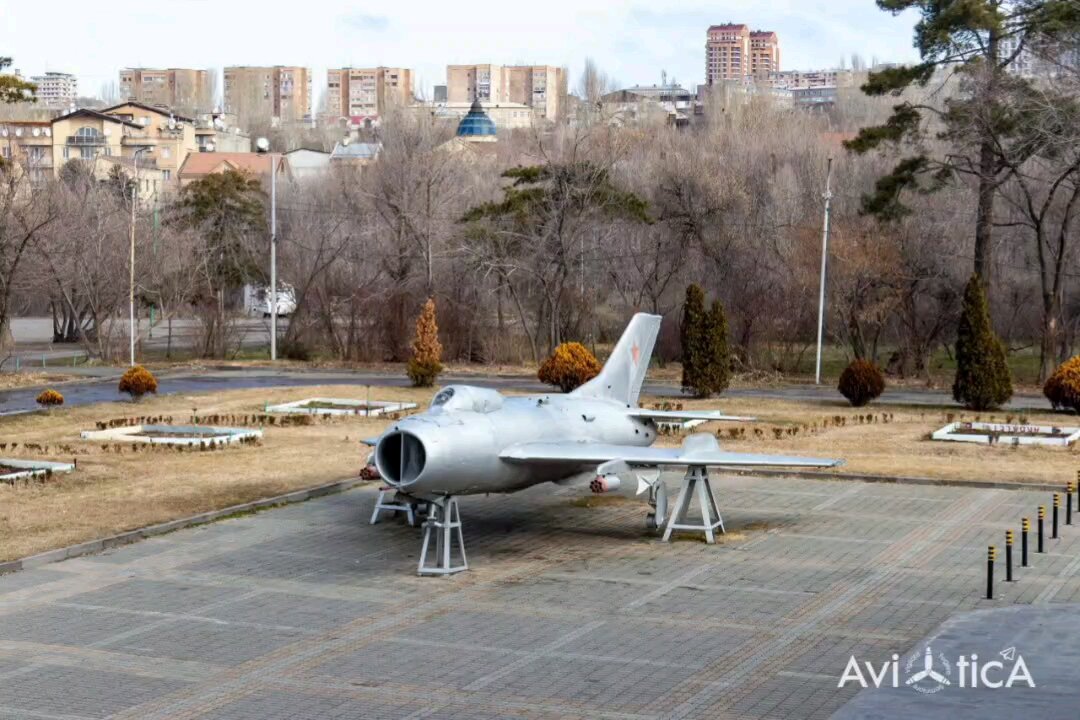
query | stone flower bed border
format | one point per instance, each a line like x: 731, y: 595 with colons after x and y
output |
x: 367, y: 408
x: 1007, y: 434
x: 26, y: 469
x: 132, y: 433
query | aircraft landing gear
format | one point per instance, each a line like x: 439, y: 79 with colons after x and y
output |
x: 696, y: 479
x: 659, y: 502
x: 444, y: 522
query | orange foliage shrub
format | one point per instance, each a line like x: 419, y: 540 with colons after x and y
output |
x: 569, y: 367
x: 1062, y: 388
x: 138, y: 381
x: 50, y: 398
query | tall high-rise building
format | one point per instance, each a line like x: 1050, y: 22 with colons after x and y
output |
x: 367, y: 92
x: 734, y: 53
x: 56, y: 89
x: 764, y: 54
x: 541, y: 87
x: 281, y: 93
x: 186, y: 90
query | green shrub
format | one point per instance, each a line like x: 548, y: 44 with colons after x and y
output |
x: 569, y: 366
x: 1062, y: 388
x: 138, y: 381
x: 694, y: 340
x: 983, y: 380
x: 706, y: 360
x: 861, y: 382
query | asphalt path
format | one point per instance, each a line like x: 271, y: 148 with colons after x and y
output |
x: 101, y: 387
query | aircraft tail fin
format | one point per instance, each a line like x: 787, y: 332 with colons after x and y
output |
x: 624, y: 372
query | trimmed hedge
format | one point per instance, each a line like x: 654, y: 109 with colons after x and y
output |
x: 570, y: 366
x: 861, y: 382
x: 1062, y: 388
x: 138, y: 381
x: 50, y: 398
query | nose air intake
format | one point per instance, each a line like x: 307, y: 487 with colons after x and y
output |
x: 400, y: 458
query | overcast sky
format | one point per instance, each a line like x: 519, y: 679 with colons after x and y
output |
x: 631, y: 40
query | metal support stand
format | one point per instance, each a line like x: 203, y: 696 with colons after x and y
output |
x: 381, y: 506
x: 444, y: 521
x: 696, y: 479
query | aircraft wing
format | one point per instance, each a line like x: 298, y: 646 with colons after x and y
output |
x: 700, y: 449
x: 681, y: 415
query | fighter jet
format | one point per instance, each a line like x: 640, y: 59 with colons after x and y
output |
x: 475, y: 440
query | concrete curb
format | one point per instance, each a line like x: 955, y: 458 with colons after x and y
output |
x: 903, y: 480
x: 95, y: 546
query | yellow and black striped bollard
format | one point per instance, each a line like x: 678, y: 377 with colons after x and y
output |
x: 990, y: 555
x: 1054, y: 523
x: 1008, y: 555
x: 1025, y: 528
x: 1042, y: 526
x: 1069, y: 489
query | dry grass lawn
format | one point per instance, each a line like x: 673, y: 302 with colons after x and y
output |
x: 112, y: 492
x: 897, y: 447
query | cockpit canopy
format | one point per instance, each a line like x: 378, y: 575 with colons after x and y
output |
x: 466, y: 398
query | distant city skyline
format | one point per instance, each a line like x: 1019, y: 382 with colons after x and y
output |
x: 632, y: 42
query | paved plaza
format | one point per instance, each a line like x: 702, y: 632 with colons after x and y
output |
x: 570, y: 611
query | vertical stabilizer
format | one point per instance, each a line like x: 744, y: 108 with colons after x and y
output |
x: 624, y: 371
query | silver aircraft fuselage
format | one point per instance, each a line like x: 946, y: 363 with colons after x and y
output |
x: 454, y: 448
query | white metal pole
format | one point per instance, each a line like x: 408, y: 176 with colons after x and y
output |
x: 824, y: 261
x: 273, y: 259
x: 131, y: 261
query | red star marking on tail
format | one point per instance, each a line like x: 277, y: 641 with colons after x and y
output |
x: 635, y: 353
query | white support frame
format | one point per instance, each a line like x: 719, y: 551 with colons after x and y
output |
x: 444, y: 521
x: 696, y: 481
x: 392, y: 506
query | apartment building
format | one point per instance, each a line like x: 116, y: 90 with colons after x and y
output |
x: 280, y: 93
x: 56, y: 89
x: 540, y: 87
x: 184, y: 89
x: 764, y: 54
x: 735, y: 54
x: 364, y: 94
x: 802, y: 79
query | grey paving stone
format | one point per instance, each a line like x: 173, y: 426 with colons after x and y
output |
x: 74, y: 691
x: 11, y: 582
x: 210, y: 642
x: 301, y: 706
x: 299, y: 611
x: 154, y: 596
x: 52, y: 625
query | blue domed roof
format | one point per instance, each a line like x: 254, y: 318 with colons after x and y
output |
x: 476, y: 122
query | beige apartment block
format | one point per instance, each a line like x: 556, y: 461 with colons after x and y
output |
x: 366, y: 93
x: 279, y: 94
x: 186, y: 90
x: 540, y: 87
x: 486, y: 83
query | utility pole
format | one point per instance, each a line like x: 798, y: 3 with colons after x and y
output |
x: 131, y: 257
x: 273, y: 258
x: 824, y: 262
